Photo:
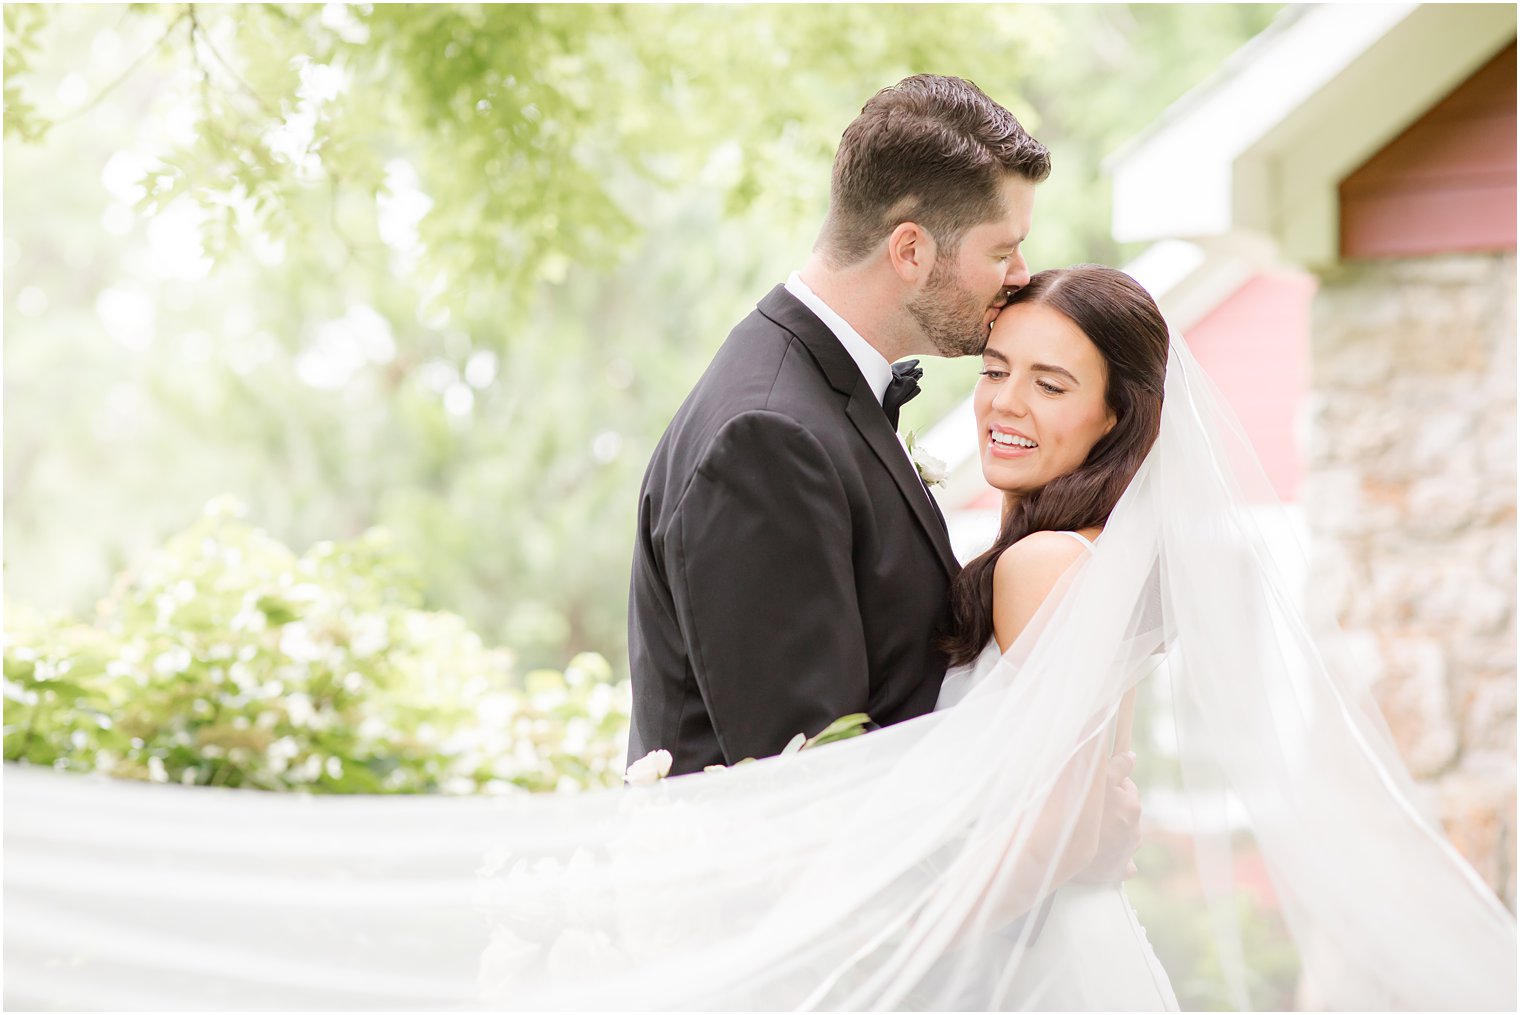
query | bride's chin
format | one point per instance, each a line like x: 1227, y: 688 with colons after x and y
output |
x: 1010, y: 492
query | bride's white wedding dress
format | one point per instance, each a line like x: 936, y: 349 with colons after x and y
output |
x: 1090, y: 951
x: 879, y: 873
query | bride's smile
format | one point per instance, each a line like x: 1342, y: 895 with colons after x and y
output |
x: 1007, y: 442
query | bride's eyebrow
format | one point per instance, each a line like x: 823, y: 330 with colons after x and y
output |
x: 1046, y: 368
x: 1034, y: 368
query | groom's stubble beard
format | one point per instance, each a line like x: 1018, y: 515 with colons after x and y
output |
x: 950, y: 317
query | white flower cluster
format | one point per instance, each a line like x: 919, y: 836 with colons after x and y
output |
x: 932, y: 470
x: 649, y: 769
x: 226, y: 659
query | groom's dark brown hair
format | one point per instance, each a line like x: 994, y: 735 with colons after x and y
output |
x: 930, y: 149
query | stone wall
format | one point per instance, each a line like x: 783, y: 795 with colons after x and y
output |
x: 1410, y: 502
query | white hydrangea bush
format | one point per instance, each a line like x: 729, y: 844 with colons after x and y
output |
x: 227, y: 659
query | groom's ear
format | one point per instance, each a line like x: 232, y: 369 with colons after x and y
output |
x: 911, y: 252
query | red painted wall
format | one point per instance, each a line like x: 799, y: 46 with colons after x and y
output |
x: 1447, y: 183
x: 1255, y: 347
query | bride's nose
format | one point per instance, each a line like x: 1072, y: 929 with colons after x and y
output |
x: 1010, y: 400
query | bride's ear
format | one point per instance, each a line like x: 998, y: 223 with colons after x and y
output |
x: 911, y: 252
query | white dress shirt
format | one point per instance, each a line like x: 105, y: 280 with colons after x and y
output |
x: 873, y: 365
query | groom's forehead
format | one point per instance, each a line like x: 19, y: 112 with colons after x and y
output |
x: 1002, y: 233
x: 1016, y: 213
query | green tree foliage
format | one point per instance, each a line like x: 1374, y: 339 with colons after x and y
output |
x: 449, y: 269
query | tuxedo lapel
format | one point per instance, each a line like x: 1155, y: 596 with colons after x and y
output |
x: 868, y: 418
x: 864, y: 412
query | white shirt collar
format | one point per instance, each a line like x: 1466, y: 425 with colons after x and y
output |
x: 873, y: 365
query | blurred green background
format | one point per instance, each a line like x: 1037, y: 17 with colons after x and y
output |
x: 449, y: 269
x: 337, y: 339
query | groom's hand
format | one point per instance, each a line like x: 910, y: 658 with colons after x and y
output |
x: 1119, y: 835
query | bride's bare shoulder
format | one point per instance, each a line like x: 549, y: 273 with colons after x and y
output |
x: 1037, y: 553
x: 1024, y: 577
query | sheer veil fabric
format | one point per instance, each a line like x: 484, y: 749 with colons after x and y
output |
x: 901, y: 869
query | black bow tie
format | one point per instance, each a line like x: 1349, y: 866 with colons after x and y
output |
x: 902, y: 389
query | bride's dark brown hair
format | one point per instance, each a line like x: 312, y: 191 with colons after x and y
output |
x: 1120, y: 318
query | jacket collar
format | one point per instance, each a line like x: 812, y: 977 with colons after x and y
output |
x: 863, y: 410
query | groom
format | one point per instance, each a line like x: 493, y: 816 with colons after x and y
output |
x: 791, y: 567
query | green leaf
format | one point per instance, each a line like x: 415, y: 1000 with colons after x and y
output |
x: 843, y: 728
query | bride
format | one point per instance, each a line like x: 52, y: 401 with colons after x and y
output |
x: 946, y: 862
x: 1068, y: 406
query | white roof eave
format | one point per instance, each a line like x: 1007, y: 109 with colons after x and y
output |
x: 1179, y: 178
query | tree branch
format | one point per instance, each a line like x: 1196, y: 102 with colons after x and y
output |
x: 206, y: 38
x: 108, y: 89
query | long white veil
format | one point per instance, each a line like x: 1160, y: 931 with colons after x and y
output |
x: 902, y: 869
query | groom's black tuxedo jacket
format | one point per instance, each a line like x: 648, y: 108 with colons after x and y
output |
x: 790, y: 566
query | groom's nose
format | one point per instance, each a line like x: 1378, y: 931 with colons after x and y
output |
x: 1018, y: 273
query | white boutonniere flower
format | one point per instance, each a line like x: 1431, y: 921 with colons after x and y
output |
x: 930, y: 469
x: 649, y: 769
